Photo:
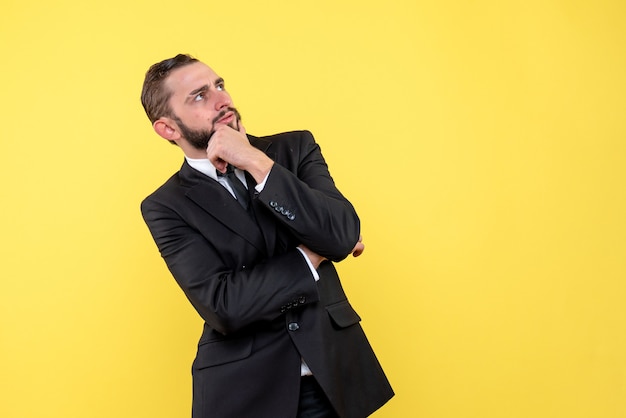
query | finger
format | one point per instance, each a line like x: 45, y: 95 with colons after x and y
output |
x: 241, y: 129
x: 358, y: 249
x: 220, y: 165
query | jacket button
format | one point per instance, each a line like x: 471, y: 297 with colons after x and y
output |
x: 293, y: 326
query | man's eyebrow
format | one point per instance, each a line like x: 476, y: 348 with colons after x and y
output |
x: 199, y: 90
x: 204, y: 88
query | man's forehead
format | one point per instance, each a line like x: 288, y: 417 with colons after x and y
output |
x: 185, y: 79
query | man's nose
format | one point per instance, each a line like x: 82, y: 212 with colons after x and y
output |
x: 222, y: 100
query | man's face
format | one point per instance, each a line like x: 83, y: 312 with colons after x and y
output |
x: 199, y: 102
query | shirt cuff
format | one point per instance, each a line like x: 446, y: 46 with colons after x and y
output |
x: 314, y: 272
x: 259, y: 187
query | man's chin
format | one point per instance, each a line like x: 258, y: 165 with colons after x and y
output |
x: 199, y: 146
x: 199, y: 140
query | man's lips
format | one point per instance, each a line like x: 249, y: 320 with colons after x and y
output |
x: 227, y: 118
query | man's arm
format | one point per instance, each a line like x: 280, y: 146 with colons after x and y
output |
x: 302, y: 195
x: 228, y: 298
x: 298, y: 189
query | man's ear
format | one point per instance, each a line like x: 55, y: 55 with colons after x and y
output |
x: 166, y: 128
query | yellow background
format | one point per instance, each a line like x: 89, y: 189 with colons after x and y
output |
x: 482, y: 143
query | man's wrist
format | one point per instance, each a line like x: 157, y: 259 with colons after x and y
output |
x: 261, y: 168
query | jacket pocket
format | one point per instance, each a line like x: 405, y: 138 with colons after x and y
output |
x: 213, y: 353
x: 342, y: 314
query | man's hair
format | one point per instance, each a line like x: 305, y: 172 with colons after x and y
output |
x: 155, y: 96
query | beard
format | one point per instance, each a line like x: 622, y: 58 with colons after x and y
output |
x: 199, y: 138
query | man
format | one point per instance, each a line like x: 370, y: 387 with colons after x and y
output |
x: 280, y: 338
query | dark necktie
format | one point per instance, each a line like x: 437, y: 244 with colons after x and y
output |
x: 241, y: 193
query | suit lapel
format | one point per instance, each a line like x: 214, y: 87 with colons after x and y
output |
x: 214, y: 199
x: 217, y: 202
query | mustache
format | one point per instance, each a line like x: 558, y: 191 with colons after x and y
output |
x: 223, y: 112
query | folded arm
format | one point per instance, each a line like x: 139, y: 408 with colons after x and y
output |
x: 228, y: 298
x: 302, y: 196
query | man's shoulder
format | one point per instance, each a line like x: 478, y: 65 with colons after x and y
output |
x: 282, y: 139
x: 168, y: 189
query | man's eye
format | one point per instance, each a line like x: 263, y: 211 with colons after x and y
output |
x: 199, y: 97
x: 220, y: 87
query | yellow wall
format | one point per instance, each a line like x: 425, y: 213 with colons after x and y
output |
x: 483, y: 143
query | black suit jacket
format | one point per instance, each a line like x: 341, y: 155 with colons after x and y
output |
x: 263, y: 311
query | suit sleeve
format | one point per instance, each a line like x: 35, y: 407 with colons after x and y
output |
x: 228, y: 298
x: 302, y: 195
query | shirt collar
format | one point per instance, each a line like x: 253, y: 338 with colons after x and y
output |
x: 203, y: 165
